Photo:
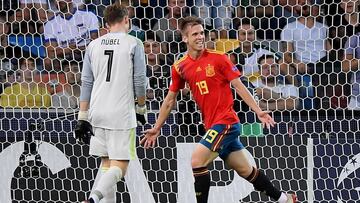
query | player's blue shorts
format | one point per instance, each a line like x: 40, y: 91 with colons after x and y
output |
x: 223, y: 139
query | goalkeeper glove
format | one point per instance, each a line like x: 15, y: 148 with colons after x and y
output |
x: 83, y: 129
x: 140, y: 114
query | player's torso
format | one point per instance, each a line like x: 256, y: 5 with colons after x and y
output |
x: 112, y: 61
x: 112, y: 97
x: 209, y: 87
x: 203, y: 77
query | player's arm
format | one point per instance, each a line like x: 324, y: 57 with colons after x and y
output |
x: 83, y: 129
x: 140, y: 82
x: 87, y: 81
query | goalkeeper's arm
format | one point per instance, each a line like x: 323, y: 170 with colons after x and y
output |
x: 140, y: 82
x: 83, y: 129
x: 87, y: 81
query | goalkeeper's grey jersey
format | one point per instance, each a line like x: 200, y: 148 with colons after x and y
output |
x: 114, y: 68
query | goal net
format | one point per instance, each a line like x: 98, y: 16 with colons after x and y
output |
x: 298, y: 58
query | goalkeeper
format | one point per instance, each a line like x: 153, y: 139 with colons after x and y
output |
x: 114, y: 68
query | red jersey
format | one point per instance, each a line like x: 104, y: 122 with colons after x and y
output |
x: 209, y: 79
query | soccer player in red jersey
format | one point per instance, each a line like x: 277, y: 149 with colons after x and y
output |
x: 209, y: 75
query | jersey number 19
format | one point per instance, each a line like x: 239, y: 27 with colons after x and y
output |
x: 203, y: 88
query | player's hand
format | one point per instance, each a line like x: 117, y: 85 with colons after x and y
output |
x: 140, y: 114
x: 83, y: 131
x: 266, y: 120
x: 149, y: 141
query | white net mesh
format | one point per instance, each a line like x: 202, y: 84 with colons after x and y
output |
x: 299, y: 58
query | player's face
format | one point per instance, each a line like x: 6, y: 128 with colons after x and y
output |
x: 246, y: 34
x: 195, y: 37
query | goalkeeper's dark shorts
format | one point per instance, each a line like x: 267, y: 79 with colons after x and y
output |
x: 223, y: 139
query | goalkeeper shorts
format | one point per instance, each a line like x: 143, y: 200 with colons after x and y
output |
x: 223, y: 139
x: 115, y: 144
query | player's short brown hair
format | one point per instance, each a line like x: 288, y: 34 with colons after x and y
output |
x: 115, y: 13
x: 189, y: 21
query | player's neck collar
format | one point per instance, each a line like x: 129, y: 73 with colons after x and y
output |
x: 201, y: 54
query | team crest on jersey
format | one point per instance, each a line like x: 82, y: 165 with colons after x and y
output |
x: 210, y: 71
